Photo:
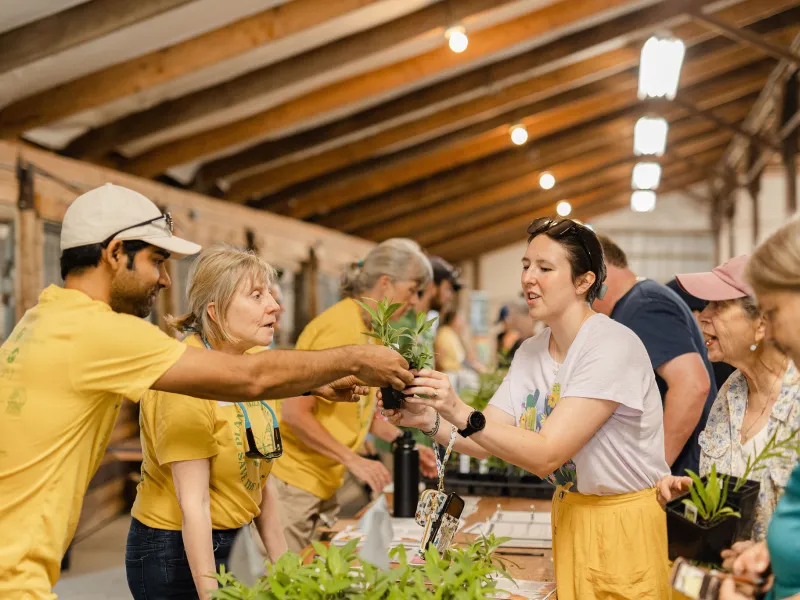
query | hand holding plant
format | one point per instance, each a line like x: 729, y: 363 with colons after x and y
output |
x: 433, y: 389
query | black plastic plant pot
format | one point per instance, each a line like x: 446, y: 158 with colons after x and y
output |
x: 745, y: 498
x: 699, y: 541
x: 392, y: 398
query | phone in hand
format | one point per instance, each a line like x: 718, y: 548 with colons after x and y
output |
x: 700, y: 583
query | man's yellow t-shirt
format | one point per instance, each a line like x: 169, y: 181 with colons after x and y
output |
x: 175, y: 428
x: 300, y: 466
x: 64, y: 371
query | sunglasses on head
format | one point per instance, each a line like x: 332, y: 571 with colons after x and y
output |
x: 166, y: 217
x: 558, y: 228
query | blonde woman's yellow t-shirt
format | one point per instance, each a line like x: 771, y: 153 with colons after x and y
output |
x: 64, y: 371
x: 300, y: 466
x: 177, y: 428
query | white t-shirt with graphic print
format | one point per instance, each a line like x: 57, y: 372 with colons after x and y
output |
x: 607, y: 361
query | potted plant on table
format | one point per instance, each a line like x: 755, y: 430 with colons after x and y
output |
x: 720, y: 509
x: 407, y: 341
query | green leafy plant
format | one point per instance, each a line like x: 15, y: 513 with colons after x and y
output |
x: 467, y: 573
x: 408, y: 341
x: 772, y: 449
x: 710, y: 498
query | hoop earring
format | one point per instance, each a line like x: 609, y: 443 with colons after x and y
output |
x: 753, y: 347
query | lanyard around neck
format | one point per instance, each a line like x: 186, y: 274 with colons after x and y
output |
x: 239, y: 404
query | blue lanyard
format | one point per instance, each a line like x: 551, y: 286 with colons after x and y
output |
x: 240, y: 405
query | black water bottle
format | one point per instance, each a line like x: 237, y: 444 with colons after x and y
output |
x: 406, y: 476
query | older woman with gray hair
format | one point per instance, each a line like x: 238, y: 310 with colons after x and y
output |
x: 321, y: 439
x: 757, y: 401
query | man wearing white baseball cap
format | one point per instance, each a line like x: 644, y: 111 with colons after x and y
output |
x: 71, y: 359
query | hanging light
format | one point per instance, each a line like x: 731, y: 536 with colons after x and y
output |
x: 547, y: 181
x: 646, y: 176
x: 564, y: 208
x: 660, y: 67
x: 519, y: 135
x: 650, y: 136
x: 643, y: 201
x: 457, y: 38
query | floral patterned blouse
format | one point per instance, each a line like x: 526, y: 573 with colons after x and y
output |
x: 723, y: 433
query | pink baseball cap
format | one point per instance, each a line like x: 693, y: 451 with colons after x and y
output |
x: 725, y: 282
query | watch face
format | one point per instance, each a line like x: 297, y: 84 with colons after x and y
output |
x: 477, y: 420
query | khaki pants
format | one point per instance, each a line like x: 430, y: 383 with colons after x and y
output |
x: 300, y: 511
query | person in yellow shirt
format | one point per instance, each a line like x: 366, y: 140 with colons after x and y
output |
x: 205, y: 467
x: 321, y: 439
x: 73, y: 357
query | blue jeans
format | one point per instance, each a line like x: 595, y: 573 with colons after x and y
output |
x: 156, y: 563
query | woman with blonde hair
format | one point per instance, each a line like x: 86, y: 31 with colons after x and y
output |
x: 322, y: 439
x: 206, y: 466
x: 773, y: 272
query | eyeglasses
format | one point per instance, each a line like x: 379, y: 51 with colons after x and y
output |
x: 167, y: 217
x: 558, y: 228
x: 252, y: 450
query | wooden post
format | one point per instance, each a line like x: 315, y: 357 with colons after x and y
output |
x: 754, y: 189
x: 305, y: 298
x: 788, y: 110
x: 29, y: 244
x: 476, y: 273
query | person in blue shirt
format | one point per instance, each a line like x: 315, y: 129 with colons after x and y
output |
x: 677, y: 352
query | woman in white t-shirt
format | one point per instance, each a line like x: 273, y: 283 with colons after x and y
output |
x: 580, y: 407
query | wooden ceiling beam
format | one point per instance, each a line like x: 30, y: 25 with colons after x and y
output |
x: 481, y: 240
x: 75, y: 26
x: 378, y: 180
x: 293, y: 151
x: 516, y: 162
x: 760, y: 140
x: 366, y: 85
x: 581, y: 177
x: 271, y: 78
x: 161, y: 66
x: 570, y: 175
x: 746, y: 37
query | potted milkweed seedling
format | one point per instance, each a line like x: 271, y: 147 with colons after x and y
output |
x: 407, y: 341
x: 703, y: 524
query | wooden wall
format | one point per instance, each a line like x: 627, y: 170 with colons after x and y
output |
x: 312, y: 255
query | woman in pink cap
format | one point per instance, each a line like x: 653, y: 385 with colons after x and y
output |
x: 758, y: 399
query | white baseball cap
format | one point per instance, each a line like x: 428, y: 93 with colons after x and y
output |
x: 115, y: 212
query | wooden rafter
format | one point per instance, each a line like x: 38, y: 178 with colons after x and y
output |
x: 352, y: 189
x: 362, y: 87
x: 498, y: 93
x: 746, y: 37
x: 594, y: 173
x: 500, y: 197
x: 273, y: 77
x: 479, y: 241
x: 75, y: 26
x: 516, y: 162
x: 707, y: 114
x: 141, y: 73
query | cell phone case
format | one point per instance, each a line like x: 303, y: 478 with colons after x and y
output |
x: 441, y: 529
x: 428, y: 507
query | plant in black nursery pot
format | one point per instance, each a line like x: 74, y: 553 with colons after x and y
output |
x: 407, y: 341
x: 700, y: 526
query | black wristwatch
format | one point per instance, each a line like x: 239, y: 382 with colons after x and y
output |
x: 475, y: 422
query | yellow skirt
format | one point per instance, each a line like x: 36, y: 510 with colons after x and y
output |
x: 610, y: 547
